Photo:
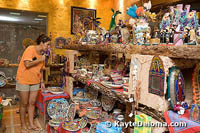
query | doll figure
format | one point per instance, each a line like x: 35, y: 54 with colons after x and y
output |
x: 164, y: 36
x: 107, y: 37
x: 171, y: 36
x: 192, y: 35
x: 167, y: 36
x: 186, y: 35
x: 161, y: 36
x: 119, y: 36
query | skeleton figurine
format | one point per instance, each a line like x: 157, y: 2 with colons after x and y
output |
x: 171, y: 36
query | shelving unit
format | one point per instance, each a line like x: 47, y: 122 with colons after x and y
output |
x: 184, y: 51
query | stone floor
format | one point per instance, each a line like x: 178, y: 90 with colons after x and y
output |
x: 11, y: 120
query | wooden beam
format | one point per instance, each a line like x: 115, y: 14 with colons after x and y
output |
x: 185, y: 51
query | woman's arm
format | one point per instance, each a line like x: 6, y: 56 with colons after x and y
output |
x: 42, y: 85
x: 29, y: 64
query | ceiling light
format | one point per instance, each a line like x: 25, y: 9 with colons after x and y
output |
x: 6, y: 18
x: 15, y: 13
x: 41, y: 16
x: 38, y: 19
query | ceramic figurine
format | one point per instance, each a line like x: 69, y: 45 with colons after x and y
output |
x: 107, y: 37
x: 161, y: 36
x: 119, y: 37
x: 192, y: 35
x: 112, y: 23
x: 165, y: 36
x: 186, y: 35
x: 148, y: 36
x: 165, y: 21
x: 171, y: 36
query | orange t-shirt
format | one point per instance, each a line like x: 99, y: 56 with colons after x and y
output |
x: 30, y: 75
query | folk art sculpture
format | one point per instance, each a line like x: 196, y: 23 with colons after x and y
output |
x: 183, y: 22
x: 112, y: 23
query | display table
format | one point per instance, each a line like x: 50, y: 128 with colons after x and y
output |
x: 42, y: 102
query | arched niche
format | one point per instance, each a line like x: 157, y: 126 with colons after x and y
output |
x: 156, y: 76
x: 195, y: 84
x: 176, y: 86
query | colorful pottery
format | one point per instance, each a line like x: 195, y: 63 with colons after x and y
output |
x: 56, y: 90
x: 57, y: 108
x: 83, y: 122
x: 71, y: 126
x: 71, y: 112
x: 107, y: 103
x: 93, y: 114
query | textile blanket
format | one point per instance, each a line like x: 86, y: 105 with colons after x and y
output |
x: 43, y: 97
x: 175, y: 118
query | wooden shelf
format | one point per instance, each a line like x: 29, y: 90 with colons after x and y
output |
x: 115, y: 48
x: 55, y: 65
x: 119, y: 96
x: 9, y: 65
x: 183, y: 51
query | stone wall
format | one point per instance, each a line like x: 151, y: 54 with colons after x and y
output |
x: 152, y: 100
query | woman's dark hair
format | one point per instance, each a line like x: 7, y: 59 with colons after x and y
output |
x: 42, y: 38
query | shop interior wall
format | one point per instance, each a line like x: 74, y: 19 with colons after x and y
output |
x: 187, y: 74
x: 59, y: 12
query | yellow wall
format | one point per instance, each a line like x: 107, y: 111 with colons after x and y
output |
x: 59, y: 11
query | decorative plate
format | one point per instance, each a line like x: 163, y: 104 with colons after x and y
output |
x: 83, y: 122
x: 112, y: 85
x: 2, y: 79
x: 56, y: 90
x: 85, y: 130
x: 107, y: 103
x: 71, y: 126
x: 71, y: 112
x: 53, y: 124
x: 57, y: 108
x: 93, y: 114
x: 95, y: 103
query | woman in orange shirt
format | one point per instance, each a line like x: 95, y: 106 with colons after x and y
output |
x: 30, y: 79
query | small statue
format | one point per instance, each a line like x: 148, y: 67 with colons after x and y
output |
x: 186, y: 35
x: 161, y: 36
x: 107, y: 37
x: 192, y: 35
x: 171, y: 36
x: 167, y: 36
x: 148, y: 36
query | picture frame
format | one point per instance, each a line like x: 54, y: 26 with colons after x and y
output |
x: 80, y: 17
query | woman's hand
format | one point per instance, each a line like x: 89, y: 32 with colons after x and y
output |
x: 42, y: 85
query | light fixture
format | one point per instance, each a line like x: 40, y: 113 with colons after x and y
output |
x: 41, y: 16
x: 38, y: 19
x: 15, y: 13
x: 6, y: 18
